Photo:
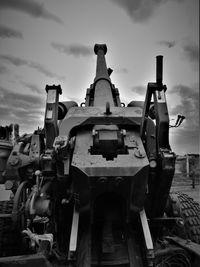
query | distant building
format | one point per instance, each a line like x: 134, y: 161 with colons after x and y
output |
x: 188, y: 165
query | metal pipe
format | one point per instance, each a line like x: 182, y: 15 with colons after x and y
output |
x: 159, y: 69
x: 101, y: 68
x: 103, y: 90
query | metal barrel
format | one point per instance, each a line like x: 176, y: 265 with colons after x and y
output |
x: 102, y: 82
x: 101, y: 70
x: 159, y: 69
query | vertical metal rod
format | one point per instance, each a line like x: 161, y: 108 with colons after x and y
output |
x: 159, y: 69
x: 187, y: 166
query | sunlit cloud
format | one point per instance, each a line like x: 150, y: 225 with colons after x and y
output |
x: 121, y: 70
x: 139, y: 89
x: 76, y: 50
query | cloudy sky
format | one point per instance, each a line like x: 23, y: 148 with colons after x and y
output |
x: 51, y: 42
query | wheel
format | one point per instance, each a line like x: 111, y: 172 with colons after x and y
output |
x: 182, y: 205
x: 19, y: 216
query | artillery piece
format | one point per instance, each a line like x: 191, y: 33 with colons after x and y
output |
x: 93, y: 187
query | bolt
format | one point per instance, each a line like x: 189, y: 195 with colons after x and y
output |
x: 64, y: 201
x: 94, y: 132
x: 118, y: 180
x: 102, y: 180
x: 123, y: 132
x: 9, y: 184
x: 37, y: 173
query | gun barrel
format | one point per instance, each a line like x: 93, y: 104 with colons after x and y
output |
x: 103, y: 90
x: 101, y: 70
x: 159, y: 69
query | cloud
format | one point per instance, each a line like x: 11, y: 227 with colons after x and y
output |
x: 121, y: 70
x: 26, y: 110
x: 6, y: 32
x: 140, y: 10
x: 14, y: 60
x: 30, y: 7
x: 74, y: 50
x: 13, y: 99
x: 191, y: 53
x: 3, y: 70
x: 139, y: 89
x: 184, y: 141
x: 189, y: 105
x: 168, y: 44
x: 34, y: 88
x: 31, y: 64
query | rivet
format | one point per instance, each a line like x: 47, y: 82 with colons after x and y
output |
x: 102, y: 180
